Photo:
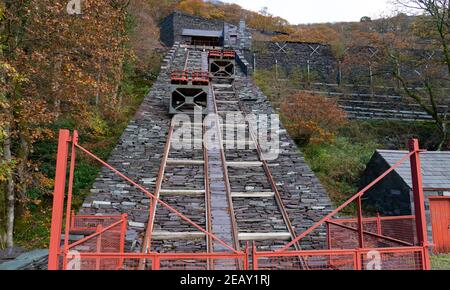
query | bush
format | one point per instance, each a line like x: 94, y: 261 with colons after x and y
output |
x: 339, y: 165
x: 311, y: 118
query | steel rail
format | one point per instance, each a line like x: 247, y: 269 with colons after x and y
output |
x: 269, y: 176
x: 152, y: 212
x: 186, y: 61
x: 225, y: 173
x: 153, y: 197
x: 209, y: 242
x: 268, y: 173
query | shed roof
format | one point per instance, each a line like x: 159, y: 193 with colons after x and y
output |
x: 204, y: 33
x: 435, y: 167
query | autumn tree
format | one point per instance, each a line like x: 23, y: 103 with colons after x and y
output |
x: 312, y: 118
x: 160, y: 8
x: 54, y: 66
x: 433, y: 28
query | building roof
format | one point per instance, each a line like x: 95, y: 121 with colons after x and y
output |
x: 204, y: 33
x: 435, y: 167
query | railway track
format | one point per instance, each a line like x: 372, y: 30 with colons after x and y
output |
x: 184, y: 182
x: 223, y: 185
x: 260, y: 214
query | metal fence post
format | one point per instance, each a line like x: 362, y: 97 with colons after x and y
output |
x: 58, y: 200
x: 360, y: 223
x: 123, y: 232
x: 328, y: 228
x: 99, y: 248
x: 419, y: 200
x: 69, y: 197
x: 379, y: 230
x: 357, y: 260
x: 255, y: 257
x: 156, y: 263
x: 72, y: 220
x: 246, y: 254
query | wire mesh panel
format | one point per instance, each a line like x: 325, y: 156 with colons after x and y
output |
x: 153, y: 261
x: 387, y: 232
x: 342, y: 238
x: 401, y: 259
x: 346, y: 237
x: 402, y: 229
x: 106, y: 242
x: 404, y: 258
x: 90, y: 223
x: 76, y: 262
x: 193, y: 264
x: 306, y: 261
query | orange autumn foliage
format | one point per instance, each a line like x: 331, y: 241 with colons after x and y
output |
x: 312, y: 118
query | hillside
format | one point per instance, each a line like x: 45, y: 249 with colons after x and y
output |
x: 91, y: 72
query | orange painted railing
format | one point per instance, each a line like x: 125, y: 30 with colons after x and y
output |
x: 361, y: 247
x: 400, y: 258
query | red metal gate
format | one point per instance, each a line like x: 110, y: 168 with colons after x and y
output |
x: 103, y: 247
x: 440, y: 223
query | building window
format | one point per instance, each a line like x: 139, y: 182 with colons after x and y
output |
x: 446, y: 193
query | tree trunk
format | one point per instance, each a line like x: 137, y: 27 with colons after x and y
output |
x: 10, y: 194
x: 443, y: 128
x: 22, y: 166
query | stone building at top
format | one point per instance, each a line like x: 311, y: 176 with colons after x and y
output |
x: 195, y: 30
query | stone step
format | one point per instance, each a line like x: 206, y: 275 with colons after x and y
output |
x: 185, y: 162
x: 222, y: 86
x: 243, y: 164
x: 227, y: 102
x: 252, y: 194
x: 285, y: 236
x: 182, y: 192
x: 163, y: 235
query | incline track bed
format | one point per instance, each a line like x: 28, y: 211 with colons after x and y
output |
x: 140, y: 151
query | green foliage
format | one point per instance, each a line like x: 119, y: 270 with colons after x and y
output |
x: 339, y: 165
x: 32, y: 227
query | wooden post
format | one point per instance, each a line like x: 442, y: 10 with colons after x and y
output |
x: 371, y: 79
x: 276, y: 69
x: 308, y: 71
